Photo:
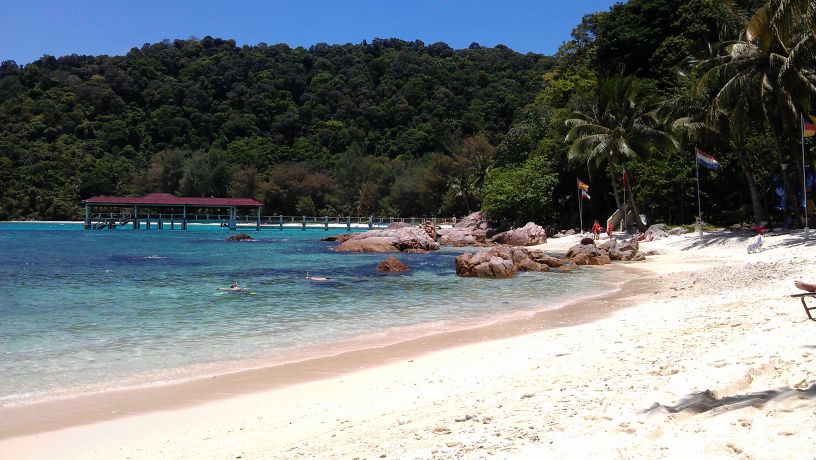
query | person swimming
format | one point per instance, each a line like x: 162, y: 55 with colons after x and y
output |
x: 315, y: 278
x: 234, y: 285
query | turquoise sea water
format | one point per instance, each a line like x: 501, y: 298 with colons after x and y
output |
x: 84, y: 311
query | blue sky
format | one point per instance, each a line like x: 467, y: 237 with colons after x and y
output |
x: 32, y: 28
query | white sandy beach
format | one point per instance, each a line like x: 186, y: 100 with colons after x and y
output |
x: 712, y: 359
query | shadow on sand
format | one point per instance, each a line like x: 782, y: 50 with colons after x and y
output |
x: 705, y: 401
x: 729, y: 237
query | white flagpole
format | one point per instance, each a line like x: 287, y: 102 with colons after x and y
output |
x: 581, y: 210
x: 699, y: 207
x: 804, y: 177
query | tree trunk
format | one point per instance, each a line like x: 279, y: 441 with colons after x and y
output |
x: 618, y: 201
x: 639, y: 223
x: 756, y: 199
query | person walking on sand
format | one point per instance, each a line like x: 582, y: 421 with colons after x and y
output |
x: 596, y: 230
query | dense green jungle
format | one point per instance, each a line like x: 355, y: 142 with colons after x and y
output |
x: 403, y: 128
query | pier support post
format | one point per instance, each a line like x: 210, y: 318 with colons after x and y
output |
x: 172, y: 222
x: 232, y: 218
x: 87, y: 225
x: 348, y: 223
x: 159, y: 223
x: 325, y: 223
x: 147, y: 222
x: 258, y: 220
x: 280, y: 222
x: 184, y: 217
x: 135, y: 217
x: 304, y: 222
x: 370, y: 222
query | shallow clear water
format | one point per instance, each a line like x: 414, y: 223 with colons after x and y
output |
x: 88, y: 310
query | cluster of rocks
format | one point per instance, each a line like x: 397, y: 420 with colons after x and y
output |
x: 505, y: 261
x: 475, y: 230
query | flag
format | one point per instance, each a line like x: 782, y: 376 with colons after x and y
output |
x: 809, y: 125
x: 706, y: 160
x: 585, y: 195
x: 583, y: 186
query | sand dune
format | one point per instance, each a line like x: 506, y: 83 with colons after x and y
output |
x: 710, y: 359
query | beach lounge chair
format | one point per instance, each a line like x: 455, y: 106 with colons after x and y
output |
x: 756, y: 245
x: 811, y: 293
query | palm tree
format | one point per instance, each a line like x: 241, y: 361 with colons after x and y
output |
x: 769, y: 72
x: 694, y: 123
x: 621, y: 126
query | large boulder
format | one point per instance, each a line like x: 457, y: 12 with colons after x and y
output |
x: 588, y: 254
x: 473, y: 221
x: 655, y: 232
x: 392, y: 264
x: 430, y: 229
x: 239, y: 237
x: 529, y: 235
x: 389, y: 240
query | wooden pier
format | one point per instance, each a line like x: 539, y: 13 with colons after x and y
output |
x: 162, y: 211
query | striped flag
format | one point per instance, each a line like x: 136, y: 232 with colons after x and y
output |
x: 809, y: 125
x: 582, y: 185
x: 706, y: 160
x: 585, y: 195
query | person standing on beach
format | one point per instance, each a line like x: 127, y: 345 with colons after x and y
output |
x: 596, y: 230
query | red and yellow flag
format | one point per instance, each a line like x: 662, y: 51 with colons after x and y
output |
x: 809, y: 125
x: 582, y: 185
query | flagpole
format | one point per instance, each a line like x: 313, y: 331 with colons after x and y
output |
x: 699, y: 207
x: 804, y: 176
x: 580, y: 210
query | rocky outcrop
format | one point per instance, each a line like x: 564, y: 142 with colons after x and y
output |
x: 388, y: 240
x: 529, y: 235
x: 470, y: 231
x: 609, y: 250
x: 676, y: 231
x: 392, y: 264
x: 503, y: 262
x: 239, y: 237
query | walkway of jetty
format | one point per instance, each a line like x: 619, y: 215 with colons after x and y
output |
x: 165, y: 211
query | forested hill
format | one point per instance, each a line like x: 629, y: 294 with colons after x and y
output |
x: 368, y: 128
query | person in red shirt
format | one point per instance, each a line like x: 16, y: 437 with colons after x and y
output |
x: 596, y: 229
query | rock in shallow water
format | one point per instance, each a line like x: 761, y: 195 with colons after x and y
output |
x: 392, y: 264
x: 389, y: 240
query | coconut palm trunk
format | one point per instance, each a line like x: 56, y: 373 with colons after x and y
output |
x: 616, y: 193
x: 756, y: 200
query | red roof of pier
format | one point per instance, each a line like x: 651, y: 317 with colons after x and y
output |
x: 166, y: 199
